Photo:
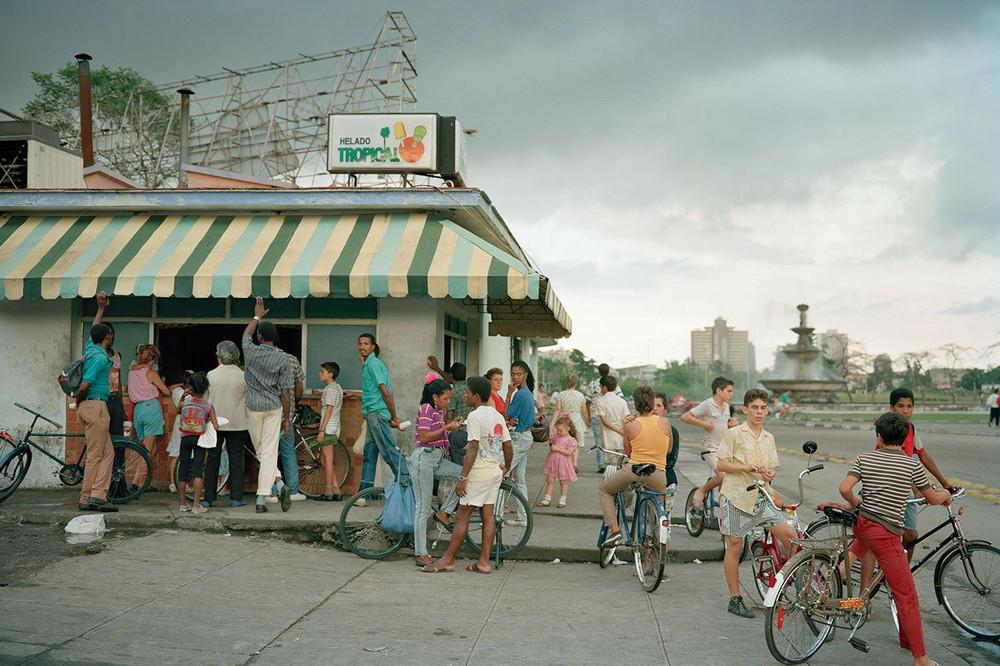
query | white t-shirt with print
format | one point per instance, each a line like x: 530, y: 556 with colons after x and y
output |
x: 485, y: 425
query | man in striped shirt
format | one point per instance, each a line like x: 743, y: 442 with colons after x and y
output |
x: 269, y: 382
x: 888, y: 474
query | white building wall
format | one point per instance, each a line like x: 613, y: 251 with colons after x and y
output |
x: 494, y: 350
x: 50, y: 167
x: 36, y: 345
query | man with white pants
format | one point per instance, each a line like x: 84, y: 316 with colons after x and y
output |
x: 269, y: 379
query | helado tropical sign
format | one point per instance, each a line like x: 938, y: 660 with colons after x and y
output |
x: 382, y: 142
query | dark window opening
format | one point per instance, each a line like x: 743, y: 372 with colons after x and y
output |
x: 192, y: 346
x: 14, y: 165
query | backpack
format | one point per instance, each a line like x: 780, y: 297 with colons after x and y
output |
x: 71, y: 377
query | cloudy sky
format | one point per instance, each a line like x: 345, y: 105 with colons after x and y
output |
x: 667, y: 163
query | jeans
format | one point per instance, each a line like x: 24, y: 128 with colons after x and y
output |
x: 595, y: 429
x: 888, y: 549
x: 426, y: 465
x: 379, y: 440
x: 234, y: 441
x: 521, y: 443
x: 288, y: 461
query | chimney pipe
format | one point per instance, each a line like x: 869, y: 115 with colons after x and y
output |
x: 86, y: 111
x: 185, y: 156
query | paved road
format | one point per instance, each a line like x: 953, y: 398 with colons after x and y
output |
x: 190, y: 598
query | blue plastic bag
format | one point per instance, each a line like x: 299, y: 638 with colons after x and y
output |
x: 400, y: 508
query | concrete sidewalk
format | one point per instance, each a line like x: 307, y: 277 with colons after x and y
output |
x: 568, y: 534
x: 180, y: 597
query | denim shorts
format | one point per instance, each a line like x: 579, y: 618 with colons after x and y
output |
x: 147, y: 419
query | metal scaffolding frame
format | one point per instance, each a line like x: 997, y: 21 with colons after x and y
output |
x: 268, y: 120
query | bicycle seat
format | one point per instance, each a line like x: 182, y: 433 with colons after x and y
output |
x: 645, y: 469
x: 839, y: 514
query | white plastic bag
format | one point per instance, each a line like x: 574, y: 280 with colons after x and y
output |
x: 91, y: 523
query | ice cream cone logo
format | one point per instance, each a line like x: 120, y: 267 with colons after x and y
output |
x: 411, y: 147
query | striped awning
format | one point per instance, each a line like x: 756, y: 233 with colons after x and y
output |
x: 278, y: 256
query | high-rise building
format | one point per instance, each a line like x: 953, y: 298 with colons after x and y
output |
x: 722, y: 343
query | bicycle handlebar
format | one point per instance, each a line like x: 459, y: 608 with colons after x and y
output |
x: 44, y: 418
x: 958, y: 494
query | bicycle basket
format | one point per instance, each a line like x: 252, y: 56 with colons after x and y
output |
x: 307, y: 416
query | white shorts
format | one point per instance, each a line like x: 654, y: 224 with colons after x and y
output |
x: 480, y: 492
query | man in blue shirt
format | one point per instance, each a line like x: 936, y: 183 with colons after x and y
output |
x: 92, y: 408
x: 378, y: 409
x: 520, y: 417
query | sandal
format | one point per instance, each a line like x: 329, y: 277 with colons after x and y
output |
x: 547, y: 500
x: 474, y: 568
x: 562, y: 503
x: 438, y: 568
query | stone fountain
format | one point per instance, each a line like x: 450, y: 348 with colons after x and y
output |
x: 800, y: 367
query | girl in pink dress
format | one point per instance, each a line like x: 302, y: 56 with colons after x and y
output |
x: 559, y: 463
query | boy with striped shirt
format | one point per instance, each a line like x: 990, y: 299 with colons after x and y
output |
x: 888, y: 474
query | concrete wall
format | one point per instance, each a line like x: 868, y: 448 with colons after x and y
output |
x: 494, y: 350
x: 36, y: 345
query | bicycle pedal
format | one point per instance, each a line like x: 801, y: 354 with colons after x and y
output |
x: 861, y: 645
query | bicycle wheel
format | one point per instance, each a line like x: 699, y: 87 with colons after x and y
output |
x: 361, y: 528
x: 13, y: 468
x: 189, y: 481
x: 130, y: 458
x: 312, y: 476
x: 510, y: 535
x: 968, y: 587
x: 794, y: 632
x: 694, y: 518
x: 650, y: 555
x: 762, y: 568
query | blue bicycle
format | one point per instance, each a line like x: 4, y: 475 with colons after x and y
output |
x: 697, y: 519
x: 647, y: 532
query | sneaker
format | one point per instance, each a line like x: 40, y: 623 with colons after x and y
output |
x: 206, y: 503
x: 271, y: 499
x: 173, y: 488
x: 185, y: 507
x: 515, y: 522
x: 298, y: 497
x: 361, y: 502
x: 285, y: 497
x: 562, y: 503
x: 199, y: 508
x: 237, y: 503
x: 613, y: 539
x: 547, y: 500
x: 737, y: 607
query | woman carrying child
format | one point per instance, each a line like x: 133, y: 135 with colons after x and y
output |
x: 559, y: 463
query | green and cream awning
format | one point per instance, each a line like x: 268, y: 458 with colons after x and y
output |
x: 279, y: 256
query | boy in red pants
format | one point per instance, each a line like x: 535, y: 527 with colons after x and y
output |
x: 888, y: 475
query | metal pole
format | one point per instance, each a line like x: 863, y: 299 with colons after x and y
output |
x: 86, y: 111
x: 185, y: 138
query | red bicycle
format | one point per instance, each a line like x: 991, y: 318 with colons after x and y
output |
x: 764, y: 552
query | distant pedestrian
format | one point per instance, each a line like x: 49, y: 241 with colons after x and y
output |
x: 593, y: 392
x: 993, y: 404
x: 329, y: 428
x: 227, y: 389
x: 196, y: 414
x: 558, y: 464
x: 573, y: 403
x: 269, y: 383
x: 92, y: 408
x: 520, y: 417
x: 378, y: 409
x: 144, y: 390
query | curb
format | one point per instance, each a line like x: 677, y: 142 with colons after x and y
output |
x: 311, y: 531
x: 928, y: 428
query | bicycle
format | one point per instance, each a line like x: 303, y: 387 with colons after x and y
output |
x: 16, y: 456
x: 362, y: 533
x: 647, y: 533
x: 765, y: 555
x: 811, y: 585
x: 697, y: 519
